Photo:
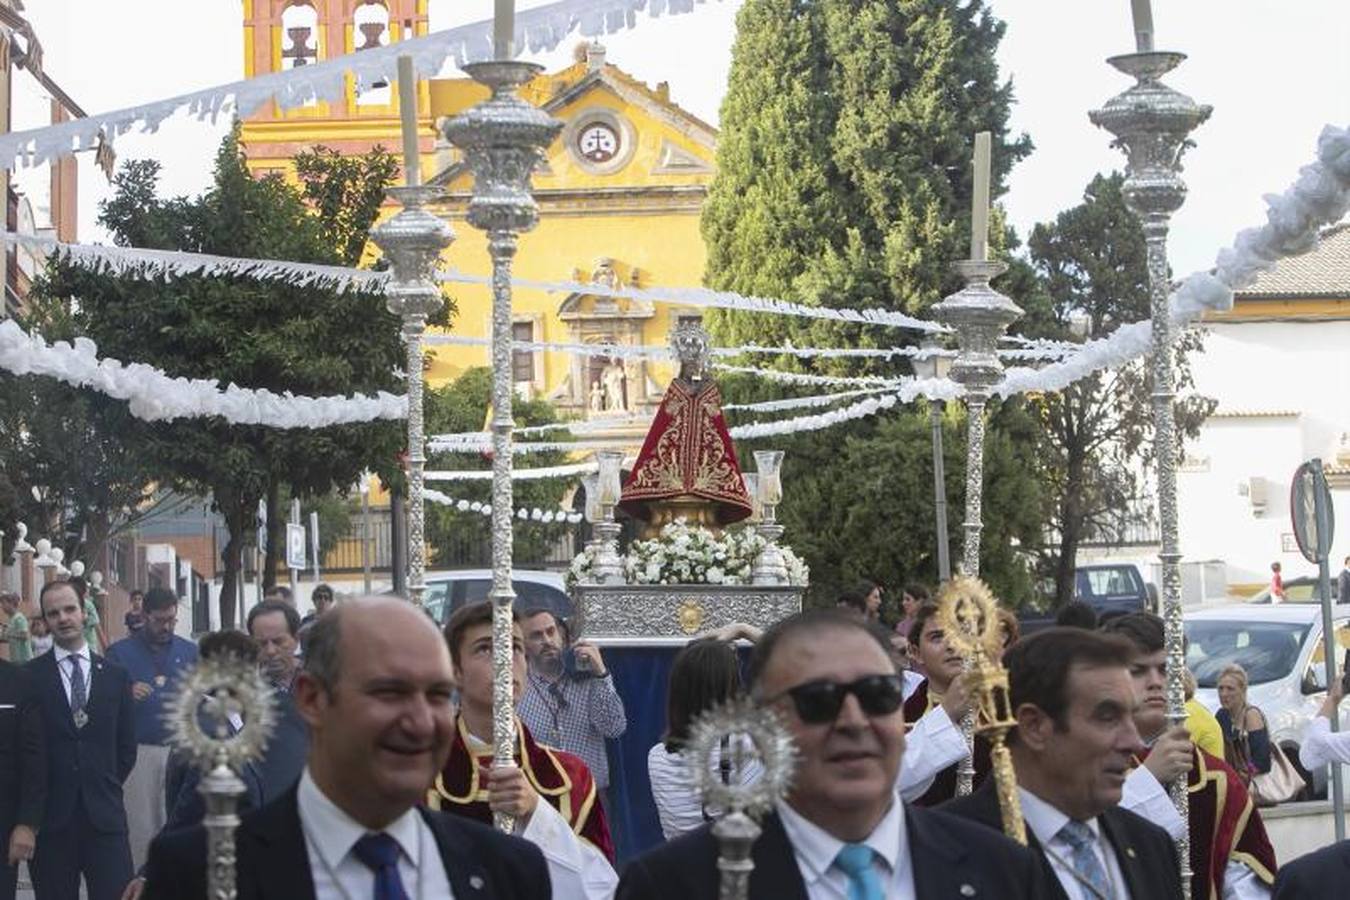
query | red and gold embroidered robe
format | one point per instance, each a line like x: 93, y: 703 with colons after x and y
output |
x: 688, y: 453
x: 560, y: 778
x: 1224, y: 827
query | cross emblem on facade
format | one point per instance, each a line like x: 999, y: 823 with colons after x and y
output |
x: 299, y: 51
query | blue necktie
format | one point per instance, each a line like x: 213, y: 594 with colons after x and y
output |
x: 855, y: 860
x: 379, y: 852
x: 1086, y: 863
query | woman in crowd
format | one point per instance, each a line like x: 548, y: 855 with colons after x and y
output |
x: 1246, y: 735
x: 705, y: 673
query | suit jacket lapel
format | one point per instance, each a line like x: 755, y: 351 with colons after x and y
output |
x: 468, y: 879
x: 52, y: 682
x: 776, y: 875
x: 933, y: 859
x: 273, y: 855
x: 1131, y: 863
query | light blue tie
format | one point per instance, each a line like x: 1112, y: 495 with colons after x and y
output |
x: 855, y: 860
x: 1086, y: 863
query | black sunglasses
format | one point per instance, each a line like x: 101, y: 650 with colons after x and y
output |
x: 818, y: 702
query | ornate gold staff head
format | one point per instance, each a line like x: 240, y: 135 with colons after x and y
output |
x: 970, y: 622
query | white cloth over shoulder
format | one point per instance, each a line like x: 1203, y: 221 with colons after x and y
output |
x: 576, y: 868
x: 1145, y: 796
x: 934, y: 743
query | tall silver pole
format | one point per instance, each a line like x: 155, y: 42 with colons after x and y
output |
x: 413, y: 241
x: 503, y: 140
x: 365, y: 535
x: 1151, y: 123
x: 1325, y: 526
x: 979, y: 315
x: 940, y: 493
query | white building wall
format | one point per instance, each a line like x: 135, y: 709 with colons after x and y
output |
x: 1283, y: 390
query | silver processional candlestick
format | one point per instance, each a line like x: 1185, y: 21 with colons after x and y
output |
x: 503, y: 139
x: 1152, y: 124
x: 413, y: 241
x: 979, y: 315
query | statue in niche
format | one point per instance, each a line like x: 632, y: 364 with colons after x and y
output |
x: 604, y: 275
x: 614, y: 378
x: 597, y: 397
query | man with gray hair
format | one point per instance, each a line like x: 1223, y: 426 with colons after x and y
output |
x: 375, y: 692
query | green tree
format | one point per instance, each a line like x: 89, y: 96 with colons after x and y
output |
x: 1097, y: 432
x: 844, y: 180
x: 256, y: 334
x: 462, y: 406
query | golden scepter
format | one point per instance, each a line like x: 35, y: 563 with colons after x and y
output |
x: 968, y: 613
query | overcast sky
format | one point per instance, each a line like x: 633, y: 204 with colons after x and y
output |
x: 1275, y: 72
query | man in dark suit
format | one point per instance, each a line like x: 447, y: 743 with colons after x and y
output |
x: 23, y: 774
x: 375, y: 692
x: 1320, y: 875
x: 89, y: 720
x: 841, y: 831
x: 1075, y: 741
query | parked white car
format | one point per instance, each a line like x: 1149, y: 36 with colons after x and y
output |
x: 1280, y: 647
x: 447, y: 591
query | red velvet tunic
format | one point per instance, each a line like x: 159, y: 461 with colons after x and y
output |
x: 1224, y: 827
x: 559, y: 778
x: 943, y: 787
x: 688, y: 453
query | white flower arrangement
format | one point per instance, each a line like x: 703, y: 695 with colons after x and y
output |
x: 691, y: 554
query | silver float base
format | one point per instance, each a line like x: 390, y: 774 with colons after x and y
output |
x: 656, y: 614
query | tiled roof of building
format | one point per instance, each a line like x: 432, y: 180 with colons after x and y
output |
x: 1322, y: 272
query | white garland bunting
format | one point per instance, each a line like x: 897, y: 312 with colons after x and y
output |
x: 566, y: 471
x: 540, y: 29
x: 155, y: 396
x: 543, y: 516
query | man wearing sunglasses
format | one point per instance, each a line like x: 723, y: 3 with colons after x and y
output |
x: 841, y: 832
x: 1073, y: 698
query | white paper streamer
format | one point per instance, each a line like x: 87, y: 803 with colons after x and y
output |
x: 805, y: 378
x: 540, y: 29
x: 545, y: 516
x: 155, y: 396
x: 516, y: 474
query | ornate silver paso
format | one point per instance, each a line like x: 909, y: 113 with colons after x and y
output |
x: 503, y: 140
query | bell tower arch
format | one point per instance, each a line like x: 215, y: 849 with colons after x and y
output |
x: 280, y: 35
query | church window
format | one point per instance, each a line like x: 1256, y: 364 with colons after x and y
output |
x: 522, y: 361
x: 371, y: 24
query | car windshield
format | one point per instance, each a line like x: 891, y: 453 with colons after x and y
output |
x: 444, y: 597
x: 1266, y: 650
x: 1108, y: 581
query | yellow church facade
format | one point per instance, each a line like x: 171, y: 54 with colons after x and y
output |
x: 620, y: 192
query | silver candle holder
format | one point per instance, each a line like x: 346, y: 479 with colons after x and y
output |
x: 1152, y: 123
x: 608, y: 564
x: 503, y: 140
x: 413, y: 241
x: 980, y: 316
x: 770, y: 568
x: 215, y: 693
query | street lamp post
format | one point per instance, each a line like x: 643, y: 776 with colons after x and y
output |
x: 934, y: 363
x: 1152, y: 124
x: 503, y: 139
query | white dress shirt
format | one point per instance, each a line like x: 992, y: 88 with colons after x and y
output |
x: 577, y: 869
x: 934, y: 743
x: 1045, y: 821
x: 1145, y: 796
x: 816, y: 849
x: 330, y: 835
x: 1321, y: 745
x: 64, y: 666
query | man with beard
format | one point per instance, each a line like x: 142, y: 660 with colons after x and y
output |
x: 376, y: 694
x: 1231, y: 856
x: 91, y: 749
x: 569, y: 825
x: 841, y: 831
x: 154, y: 657
x: 576, y: 711
x: 1073, y: 700
x: 934, y: 710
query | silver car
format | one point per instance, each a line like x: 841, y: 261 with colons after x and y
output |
x: 1280, y: 647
